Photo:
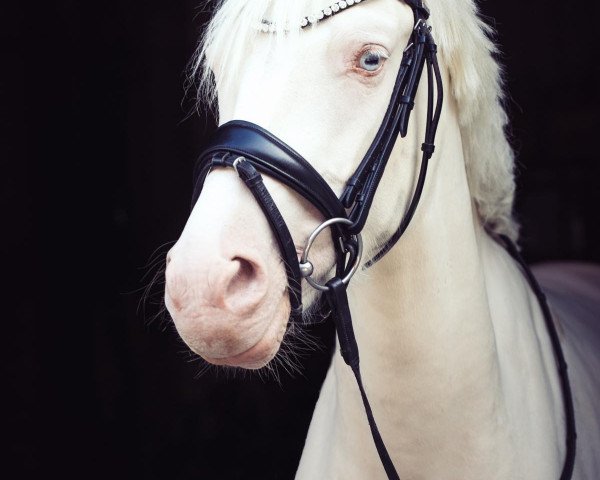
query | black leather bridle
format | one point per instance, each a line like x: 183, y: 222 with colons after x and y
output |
x: 251, y: 150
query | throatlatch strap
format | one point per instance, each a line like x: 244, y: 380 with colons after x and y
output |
x: 338, y: 300
x: 571, y: 432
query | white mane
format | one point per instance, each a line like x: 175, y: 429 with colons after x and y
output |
x: 465, y: 48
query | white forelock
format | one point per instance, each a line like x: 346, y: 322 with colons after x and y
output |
x: 465, y: 48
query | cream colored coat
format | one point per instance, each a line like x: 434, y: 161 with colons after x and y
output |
x: 455, y: 356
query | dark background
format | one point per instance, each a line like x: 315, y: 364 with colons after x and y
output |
x: 96, y: 155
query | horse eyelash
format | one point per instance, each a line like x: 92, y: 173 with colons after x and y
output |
x: 356, y: 59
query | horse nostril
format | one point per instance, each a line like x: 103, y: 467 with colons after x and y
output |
x: 245, y: 275
x: 247, y: 286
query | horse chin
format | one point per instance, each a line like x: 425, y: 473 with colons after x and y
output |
x: 249, y: 343
x: 256, y: 356
x: 252, y: 359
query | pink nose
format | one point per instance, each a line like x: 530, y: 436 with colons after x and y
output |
x: 214, y: 303
x: 244, y: 284
x: 236, y: 286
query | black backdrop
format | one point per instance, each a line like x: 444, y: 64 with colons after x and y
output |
x: 96, y: 154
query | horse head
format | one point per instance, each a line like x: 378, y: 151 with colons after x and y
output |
x: 324, y: 92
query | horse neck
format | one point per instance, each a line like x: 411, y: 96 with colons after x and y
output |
x: 428, y: 294
x: 426, y: 333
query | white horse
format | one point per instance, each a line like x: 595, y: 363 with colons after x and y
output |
x: 456, y: 357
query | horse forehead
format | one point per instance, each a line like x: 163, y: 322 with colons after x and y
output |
x: 387, y: 16
x: 374, y: 21
x: 385, y: 22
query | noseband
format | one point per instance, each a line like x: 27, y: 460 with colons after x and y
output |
x: 251, y: 151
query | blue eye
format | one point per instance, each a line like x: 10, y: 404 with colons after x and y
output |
x: 372, y: 60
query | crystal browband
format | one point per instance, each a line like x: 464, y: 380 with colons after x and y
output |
x: 327, y: 12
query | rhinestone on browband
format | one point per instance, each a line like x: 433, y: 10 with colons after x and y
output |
x: 313, y: 19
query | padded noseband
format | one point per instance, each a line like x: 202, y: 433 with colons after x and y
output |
x: 252, y: 150
x: 274, y: 158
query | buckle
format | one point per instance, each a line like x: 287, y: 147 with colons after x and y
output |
x: 236, y: 162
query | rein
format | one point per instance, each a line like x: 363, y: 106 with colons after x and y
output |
x: 251, y: 150
x: 571, y: 432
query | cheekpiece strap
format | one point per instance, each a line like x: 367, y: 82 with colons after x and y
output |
x: 254, y: 181
x: 419, y: 7
x: 362, y: 185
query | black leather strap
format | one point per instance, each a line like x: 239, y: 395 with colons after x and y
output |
x: 570, y: 427
x: 418, y: 7
x: 254, y: 182
x: 428, y: 147
x: 338, y: 300
x: 362, y: 186
x: 273, y: 157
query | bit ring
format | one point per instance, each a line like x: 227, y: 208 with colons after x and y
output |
x: 306, y: 267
